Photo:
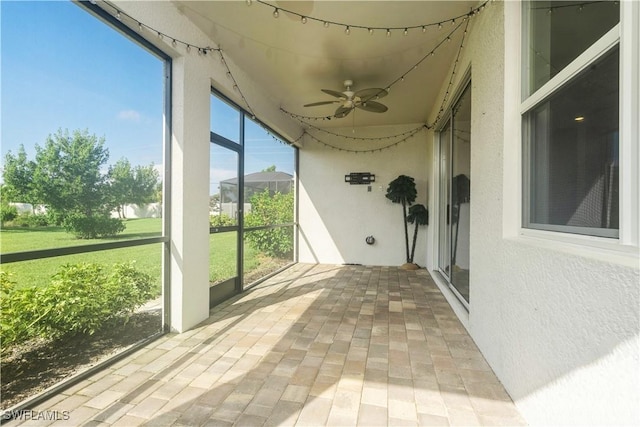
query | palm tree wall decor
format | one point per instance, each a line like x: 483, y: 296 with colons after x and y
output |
x: 403, y: 190
x: 418, y: 215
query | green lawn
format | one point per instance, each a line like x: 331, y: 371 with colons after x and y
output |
x: 222, y: 252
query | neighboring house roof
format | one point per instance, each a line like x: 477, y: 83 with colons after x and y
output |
x: 261, y: 177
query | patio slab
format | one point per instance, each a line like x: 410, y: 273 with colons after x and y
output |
x: 313, y: 345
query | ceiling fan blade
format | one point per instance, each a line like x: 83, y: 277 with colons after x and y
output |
x: 313, y: 104
x: 334, y: 93
x: 342, y: 112
x: 372, y: 106
x: 371, y: 93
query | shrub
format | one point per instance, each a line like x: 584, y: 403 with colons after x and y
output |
x: 31, y: 220
x: 80, y: 298
x: 267, y: 209
x: 221, y: 220
x: 92, y: 227
x: 7, y: 212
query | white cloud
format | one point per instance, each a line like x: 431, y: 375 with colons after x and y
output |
x: 129, y: 115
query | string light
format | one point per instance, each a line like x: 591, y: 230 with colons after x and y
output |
x: 453, y: 20
x: 406, y: 31
x: 249, y: 2
x: 371, y: 150
x: 204, y: 50
x: 303, y: 19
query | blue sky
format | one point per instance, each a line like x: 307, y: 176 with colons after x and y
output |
x: 62, y: 68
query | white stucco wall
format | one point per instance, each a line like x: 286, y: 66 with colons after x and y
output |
x: 336, y: 217
x: 556, y: 321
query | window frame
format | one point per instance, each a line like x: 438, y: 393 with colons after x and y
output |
x: 628, y: 202
x: 165, y: 238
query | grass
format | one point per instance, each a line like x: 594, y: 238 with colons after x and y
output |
x: 148, y: 258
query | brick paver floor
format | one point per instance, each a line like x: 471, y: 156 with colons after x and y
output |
x: 313, y: 345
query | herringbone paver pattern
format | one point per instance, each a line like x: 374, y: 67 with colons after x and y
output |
x: 314, y: 345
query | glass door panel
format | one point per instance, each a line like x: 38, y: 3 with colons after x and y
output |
x: 444, y: 258
x: 454, y: 200
x: 460, y: 194
x: 223, y: 221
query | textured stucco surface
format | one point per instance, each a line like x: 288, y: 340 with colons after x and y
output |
x: 560, y: 329
x: 336, y: 217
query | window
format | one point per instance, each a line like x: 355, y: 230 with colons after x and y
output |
x: 251, y: 209
x: 83, y: 159
x: 571, y: 117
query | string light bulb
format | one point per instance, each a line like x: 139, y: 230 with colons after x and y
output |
x: 370, y: 30
x: 276, y: 13
x: 453, y: 22
x: 326, y: 24
x: 424, y: 29
x: 347, y: 30
x: 388, y: 32
x: 303, y: 19
x: 249, y: 2
x: 174, y: 43
x: 118, y: 16
x: 140, y: 27
x: 439, y: 25
x: 406, y: 31
x: 188, y: 48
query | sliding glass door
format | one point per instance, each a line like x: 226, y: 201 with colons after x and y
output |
x: 454, y: 196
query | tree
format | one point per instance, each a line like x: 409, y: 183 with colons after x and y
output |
x: 121, y: 184
x: 18, y: 177
x: 137, y: 185
x: 271, y: 210
x: 67, y: 177
x: 418, y: 215
x: 403, y: 190
x: 271, y: 168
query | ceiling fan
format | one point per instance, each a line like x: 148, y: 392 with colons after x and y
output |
x: 350, y: 100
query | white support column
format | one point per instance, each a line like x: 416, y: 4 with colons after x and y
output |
x: 190, y: 194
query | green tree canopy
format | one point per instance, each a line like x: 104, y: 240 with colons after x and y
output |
x: 67, y: 177
x: 18, y: 177
x: 136, y: 185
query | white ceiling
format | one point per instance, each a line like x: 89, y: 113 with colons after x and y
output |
x: 292, y: 61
